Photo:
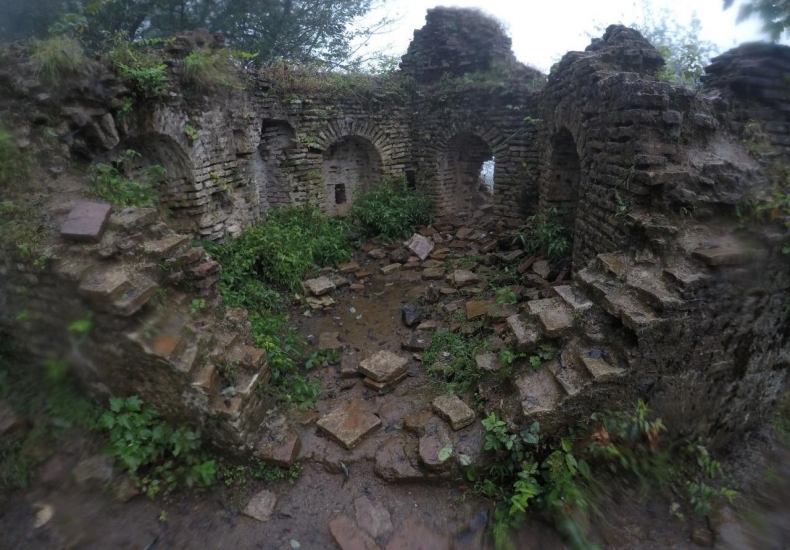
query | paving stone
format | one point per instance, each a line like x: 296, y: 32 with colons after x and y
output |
x: 527, y: 336
x: 487, y: 362
x: 433, y: 274
x: 348, y: 536
x: 329, y: 341
x: 462, y: 277
x: 319, y: 286
x: 392, y: 462
x: 164, y: 248
x: 454, y: 411
x: 86, y: 222
x: 261, y: 507
x: 391, y: 268
x: 282, y: 452
x: 350, y: 267
x: 349, y: 424
x: 372, y: 517
x: 476, y: 309
x: 377, y: 254
x: 420, y: 246
x: 541, y: 269
x: 384, y: 366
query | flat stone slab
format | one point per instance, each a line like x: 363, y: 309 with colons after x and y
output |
x: 433, y: 273
x: 454, y: 411
x: 261, y: 506
x: 420, y: 246
x: 86, y: 222
x: 319, y: 286
x: 597, y: 366
x: 105, y: 286
x: 728, y: 255
x: 384, y: 366
x: 349, y: 424
x: 462, y: 277
x: 387, y: 269
x: 379, y: 386
x: 133, y: 218
x: 350, y: 267
x: 541, y: 268
x: 432, y: 448
x: 393, y: 464
x: 539, y: 391
x: 476, y: 308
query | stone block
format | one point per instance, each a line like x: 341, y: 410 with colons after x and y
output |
x: 384, y: 366
x: 372, y: 517
x: 420, y: 246
x: 349, y: 424
x: 350, y: 537
x: 105, y: 286
x: 319, y: 286
x: 86, y: 222
x: 454, y: 411
x: 282, y: 452
x: 527, y: 337
x: 164, y: 248
x: 261, y: 507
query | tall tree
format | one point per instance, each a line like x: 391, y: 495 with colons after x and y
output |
x: 775, y: 15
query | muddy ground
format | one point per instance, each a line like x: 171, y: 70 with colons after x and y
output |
x: 431, y: 510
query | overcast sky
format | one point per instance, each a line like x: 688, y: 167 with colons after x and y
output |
x: 544, y: 30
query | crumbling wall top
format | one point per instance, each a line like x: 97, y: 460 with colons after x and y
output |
x: 458, y: 41
x: 627, y: 50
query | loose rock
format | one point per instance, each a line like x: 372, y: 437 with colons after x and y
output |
x: 261, y: 506
x: 411, y: 315
x: 319, y: 286
x: 454, y: 411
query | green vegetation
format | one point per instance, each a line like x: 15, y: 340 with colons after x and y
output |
x: 158, y: 457
x: 14, y: 163
x: 51, y: 408
x: 207, y: 70
x: 265, y: 261
x: 391, y: 210
x: 450, y: 360
x: 57, y: 57
x: 565, y: 477
x: 546, y: 234
x: 20, y: 228
x: 110, y: 183
x: 506, y: 296
x: 142, y: 65
x: 775, y: 15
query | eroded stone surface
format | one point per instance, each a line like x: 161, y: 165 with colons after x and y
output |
x: 348, y: 536
x: 329, y: 341
x: 261, y: 507
x: 349, y: 424
x: 282, y: 452
x: 436, y: 449
x: 393, y: 464
x: 372, y: 517
x: 455, y: 411
x: 421, y: 246
x: 384, y: 366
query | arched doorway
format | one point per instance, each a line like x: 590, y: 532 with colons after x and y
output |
x: 351, y: 165
x: 465, y: 179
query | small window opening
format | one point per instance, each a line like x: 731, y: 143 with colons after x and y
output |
x: 487, y: 174
x: 340, y: 193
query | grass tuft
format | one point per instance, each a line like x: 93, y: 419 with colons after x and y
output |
x: 58, y: 57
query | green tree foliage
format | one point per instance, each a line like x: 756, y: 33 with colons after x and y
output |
x: 775, y: 15
x: 305, y: 31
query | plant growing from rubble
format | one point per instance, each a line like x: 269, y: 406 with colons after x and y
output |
x: 57, y: 57
x: 158, y: 457
x: 545, y: 233
x: 451, y: 360
x: 207, y: 70
x: 14, y: 163
x: 392, y: 210
x: 110, y: 183
x: 140, y: 64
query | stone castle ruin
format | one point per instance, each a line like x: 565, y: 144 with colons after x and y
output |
x: 673, y: 298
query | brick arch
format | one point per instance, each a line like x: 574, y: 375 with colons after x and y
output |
x: 351, y: 165
x: 340, y: 130
x: 459, y: 153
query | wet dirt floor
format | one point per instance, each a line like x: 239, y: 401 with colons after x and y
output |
x: 427, y: 511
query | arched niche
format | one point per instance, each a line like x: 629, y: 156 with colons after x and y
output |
x: 351, y: 165
x: 267, y: 163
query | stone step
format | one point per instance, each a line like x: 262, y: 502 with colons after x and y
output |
x: 553, y: 316
x: 574, y: 297
x: 685, y: 277
x: 568, y: 371
x: 103, y: 287
x: 166, y: 247
x: 650, y: 288
x: 133, y: 219
x: 595, y: 361
x: 525, y: 332
x: 616, y: 299
x: 615, y: 264
x: 134, y: 300
x: 539, y: 391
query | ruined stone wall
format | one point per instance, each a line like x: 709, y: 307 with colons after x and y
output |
x: 473, y: 105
